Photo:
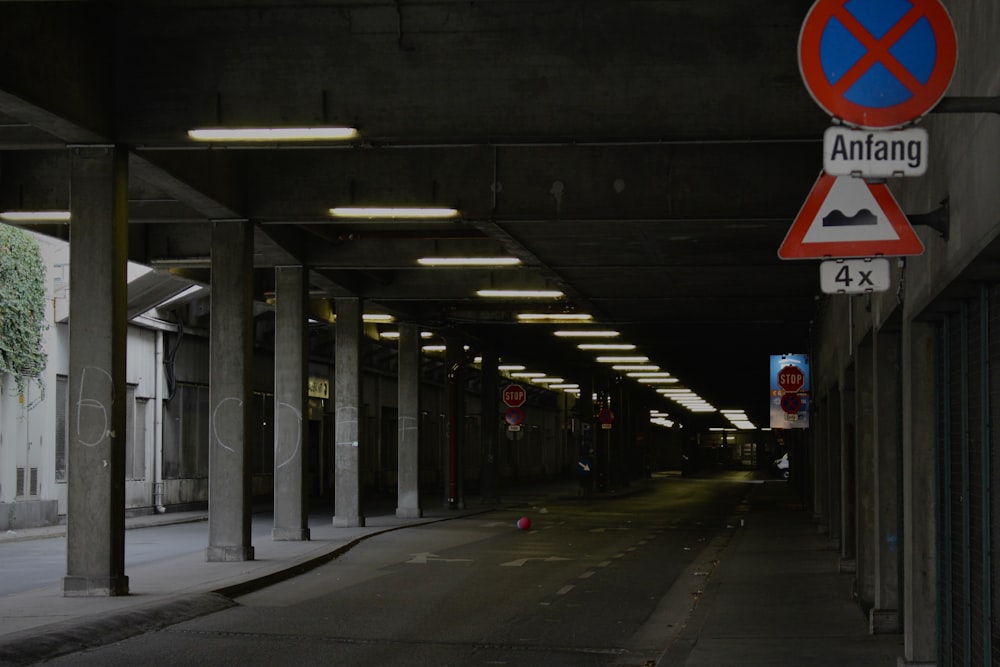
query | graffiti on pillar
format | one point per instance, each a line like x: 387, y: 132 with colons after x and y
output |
x: 298, y: 433
x: 96, y: 435
x: 215, y: 422
x: 408, y: 430
x: 347, y: 426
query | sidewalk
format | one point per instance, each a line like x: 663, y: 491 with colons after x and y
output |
x: 776, y: 597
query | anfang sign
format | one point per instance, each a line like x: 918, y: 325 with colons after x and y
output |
x: 875, y: 154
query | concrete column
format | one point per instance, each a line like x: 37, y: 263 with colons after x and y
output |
x: 348, y: 405
x: 229, y: 392
x: 865, y: 509
x: 489, y: 393
x: 834, y: 448
x: 95, y: 530
x: 291, y: 381
x: 919, y: 496
x: 884, y: 616
x: 820, y: 462
x: 455, y: 365
x: 408, y: 422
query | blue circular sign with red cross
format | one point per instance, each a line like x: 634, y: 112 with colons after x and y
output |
x: 791, y: 403
x: 877, y: 64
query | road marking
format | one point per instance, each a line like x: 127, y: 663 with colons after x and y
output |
x: 604, y: 563
x: 587, y: 575
x: 425, y: 557
x: 521, y: 561
x: 565, y: 589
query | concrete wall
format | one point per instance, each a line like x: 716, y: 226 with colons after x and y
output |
x: 964, y: 169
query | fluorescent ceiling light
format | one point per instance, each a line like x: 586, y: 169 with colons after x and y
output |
x: 35, y: 216
x: 635, y: 367
x: 510, y: 367
x: 606, y: 346
x: 520, y: 293
x: 659, y: 380
x: 547, y: 380
x: 392, y: 213
x: 434, y: 348
x: 527, y: 374
x: 622, y: 360
x: 564, y: 386
x: 554, y: 317
x: 583, y: 333
x: 648, y: 374
x: 468, y: 261
x: 377, y: 317
x: 273, y: 133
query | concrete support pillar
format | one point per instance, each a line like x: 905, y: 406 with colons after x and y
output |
x: 348, y: 405
x: 291, y: 381
x: 920, y: 509
x: 884, y: 616
x: 848, y: 476
x: 455, y: 364
x: 834, y: 450
x: 865, y: 509
x: 408, y: 421
x: 820, y: 461
x: 229, y: 393
x: 489, y: 393
x: 95, y: 530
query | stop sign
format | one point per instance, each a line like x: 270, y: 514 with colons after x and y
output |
x: 514, y: 395
x: 791, y: 378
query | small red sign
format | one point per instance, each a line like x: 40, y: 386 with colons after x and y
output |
x: 791, y: 403
x: 514, y: 396
x: 791, y: 379
x: 514, y: 416
x: 606, y: 416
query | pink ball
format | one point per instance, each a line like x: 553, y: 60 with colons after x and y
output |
x: 524, y: 523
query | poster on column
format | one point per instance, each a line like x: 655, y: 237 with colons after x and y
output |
x: 789, y: 391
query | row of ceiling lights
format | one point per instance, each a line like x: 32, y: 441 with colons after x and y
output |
x: 633, y: 366
x: 637, y: 367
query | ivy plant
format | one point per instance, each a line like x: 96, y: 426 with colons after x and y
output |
x: 22, y: 310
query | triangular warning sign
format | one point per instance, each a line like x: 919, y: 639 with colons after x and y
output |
x: 846, y: 216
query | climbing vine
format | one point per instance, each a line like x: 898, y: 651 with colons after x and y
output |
x: 22, y: 309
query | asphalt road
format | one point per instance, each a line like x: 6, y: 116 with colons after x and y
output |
x: 579, y: 588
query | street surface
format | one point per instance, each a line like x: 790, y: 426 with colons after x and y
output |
x: 586, y: 585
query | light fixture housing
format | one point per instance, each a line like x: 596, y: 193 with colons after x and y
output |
x: 583, y: 333
x: 468, y: 261
x: 606, y: 346
x: 520, y: 294
x: 393, y: 213
x: 35, y: 216
x: 266, y: 134
x: 554, y: 317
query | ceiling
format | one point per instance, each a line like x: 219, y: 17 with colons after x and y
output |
x: 646, y: 158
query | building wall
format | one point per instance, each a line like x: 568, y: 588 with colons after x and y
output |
x: 953, y: 286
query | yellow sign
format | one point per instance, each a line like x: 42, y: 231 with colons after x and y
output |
x: 319, y: 388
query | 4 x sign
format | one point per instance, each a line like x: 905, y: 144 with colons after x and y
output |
x: 854, y: 276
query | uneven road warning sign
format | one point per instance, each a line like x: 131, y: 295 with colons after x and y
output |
x: 849, y: 217
x: 877, y: 64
